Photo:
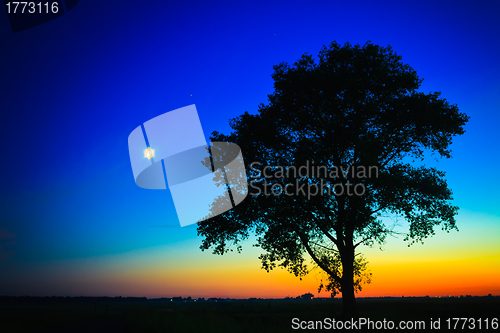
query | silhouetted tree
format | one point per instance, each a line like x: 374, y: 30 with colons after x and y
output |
x: 357, y: 107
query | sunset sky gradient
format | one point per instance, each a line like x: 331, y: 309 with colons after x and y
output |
x: 72, y: 220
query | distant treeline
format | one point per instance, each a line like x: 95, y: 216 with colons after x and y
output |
x: 61, y: 299
x: 106, y: 299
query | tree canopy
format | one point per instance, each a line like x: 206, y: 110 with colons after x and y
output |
x: 351, y: 109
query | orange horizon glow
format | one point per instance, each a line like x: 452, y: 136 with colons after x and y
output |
x: 448, y: 264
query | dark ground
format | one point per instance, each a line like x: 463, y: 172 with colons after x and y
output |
x: 98, y: 315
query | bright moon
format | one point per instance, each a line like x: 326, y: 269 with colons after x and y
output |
x: 149, y: 153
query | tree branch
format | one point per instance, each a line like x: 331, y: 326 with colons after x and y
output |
x: 361, y: 242
x: 378, y: 209
x: 396, y: 152
x: 325, y: 247
x: 323, y: 230
x: 315, y: 258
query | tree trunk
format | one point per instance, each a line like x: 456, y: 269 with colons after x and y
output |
x: 349, y: 307
x: 348, y: 297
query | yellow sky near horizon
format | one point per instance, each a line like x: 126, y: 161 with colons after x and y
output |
x: 456, y: 263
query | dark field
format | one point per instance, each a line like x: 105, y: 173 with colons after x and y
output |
x: 84, y: 315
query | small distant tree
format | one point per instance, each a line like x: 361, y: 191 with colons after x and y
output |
x: 357, y: 106
x: 307, y: 296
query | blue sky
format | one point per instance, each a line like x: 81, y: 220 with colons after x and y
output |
x: 73, y: 89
